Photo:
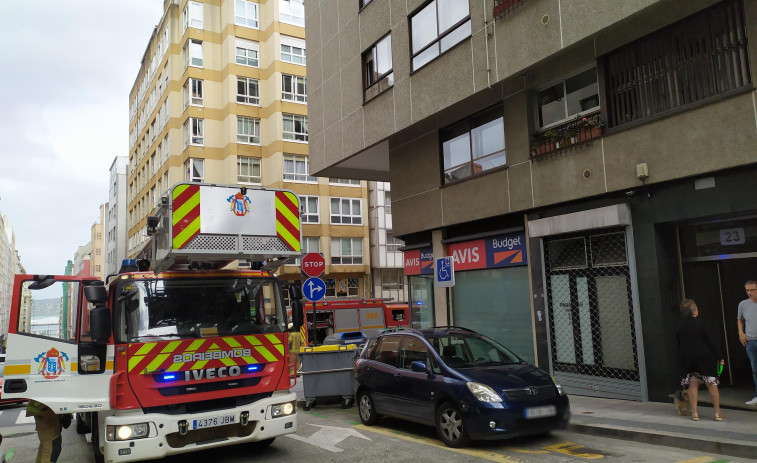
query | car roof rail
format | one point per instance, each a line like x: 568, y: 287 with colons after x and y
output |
x: 400, y: 329
x: 451, y: 327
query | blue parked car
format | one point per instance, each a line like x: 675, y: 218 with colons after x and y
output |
x: 461, y: 382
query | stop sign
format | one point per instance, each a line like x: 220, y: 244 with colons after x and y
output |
x: 313, y: 264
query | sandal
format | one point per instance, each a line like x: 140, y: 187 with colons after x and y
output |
x: 695, y: 416
x: 719, y: 417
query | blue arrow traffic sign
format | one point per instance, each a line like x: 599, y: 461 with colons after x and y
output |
x: 314, y: 289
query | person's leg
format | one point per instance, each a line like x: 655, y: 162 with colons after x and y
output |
x: 715, y: 395
x: 693, y: 394
x: 751, y: 352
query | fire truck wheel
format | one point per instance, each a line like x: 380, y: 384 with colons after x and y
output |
x: 99, y: 457
x: 81, y: 425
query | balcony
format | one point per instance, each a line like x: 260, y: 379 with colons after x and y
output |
x: 567, y: 136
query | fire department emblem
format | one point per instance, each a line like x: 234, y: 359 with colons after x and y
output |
x: 239, y: 204
x: 51, y: 363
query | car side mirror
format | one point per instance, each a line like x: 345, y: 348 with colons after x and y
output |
x: 419, y: 367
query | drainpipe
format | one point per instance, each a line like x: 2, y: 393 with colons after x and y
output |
x: 486, y: 42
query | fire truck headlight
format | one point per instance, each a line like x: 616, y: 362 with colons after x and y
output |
x: 128, y: 432
x: 284, y: 409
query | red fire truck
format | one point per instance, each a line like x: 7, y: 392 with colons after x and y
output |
x: 335, y: 317
x: 176, y: 354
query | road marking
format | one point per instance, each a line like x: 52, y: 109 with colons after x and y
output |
x: 328, y: 437
x: 568, y: 448
x: 483, y: 454
x: 23, y: 419
x: 703, y: 460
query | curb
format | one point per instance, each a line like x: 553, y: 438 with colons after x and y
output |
x: 668, y: 440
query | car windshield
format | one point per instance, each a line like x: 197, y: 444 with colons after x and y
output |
x: 197, y: 307
x: 461, y: 350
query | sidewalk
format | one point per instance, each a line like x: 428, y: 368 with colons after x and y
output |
x: 657, y: 423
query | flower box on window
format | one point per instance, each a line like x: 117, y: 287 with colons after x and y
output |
x: 569, y: 135
x: 502, y: 7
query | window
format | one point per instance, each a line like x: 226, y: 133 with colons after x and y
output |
x: 699, y: 57
x: 346, y: 211
x: 193, y: 132
x: 295, y: 127
x: 293, y: 88
x: 193, y: 53
x: 387, y: 202
x: 292, y: 12
x: 377, y: 68
x: 246, y: 13
x: 474, y: 145
x: 436, y: 28
x: 393, y: 244
x: 192, y: 15
x: 248, y: 90
x: 193, y: 92
x: 309, y: 244
x: 247, y: 52
x: 392, y: 279
x: 248, y: 169
x: 292, y: 50
x: 248, y: 130
x: 195, y: 170
x: 344, y: 181
x: 296, y: 167
x: 346, y: 251
x: 569, y: 98
x: 309, y: 209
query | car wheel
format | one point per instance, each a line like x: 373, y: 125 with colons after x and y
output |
x: 366, y: 408
x: 450, y: 427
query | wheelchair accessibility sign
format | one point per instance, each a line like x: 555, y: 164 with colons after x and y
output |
x: 444, y: 272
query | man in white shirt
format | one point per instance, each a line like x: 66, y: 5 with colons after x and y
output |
x: 747, y: 320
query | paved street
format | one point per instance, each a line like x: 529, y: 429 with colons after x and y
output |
x: 328, y: 433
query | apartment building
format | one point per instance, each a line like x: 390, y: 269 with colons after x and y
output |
x: 586, y: 164
x: 221, y: 98
x: 10, y: 265
x: 115, y: 219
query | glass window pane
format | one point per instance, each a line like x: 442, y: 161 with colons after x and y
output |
x: 427, y: 55
x: 384, y: 55
x: 551, y: 107
x: 456, y: 151
x: 424, y: 27
x: 356, y: 207
x: 488, y: 138
x: 582, y: 91
x: 357, y: 247
x: 458, y: 35
x: 450, y: 13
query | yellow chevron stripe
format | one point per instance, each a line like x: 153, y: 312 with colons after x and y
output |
x: 198, y: 365
x: 179, y: 190
x: 182, y: 238
x: 249, y: 360
x: 195, y: 345
x: 156, y: 363
x: 253, y: 340
x: 232, y: 342
x: 228, y: 362
x: 266, y: 354
x: 134, y: 361
x: 272, y: 339
x: 175, y: 367
x: 185, y: 208
x: 170, y: 347
x: 293, y: 241
x: 146, y: 348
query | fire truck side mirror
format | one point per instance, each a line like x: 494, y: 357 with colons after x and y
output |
x: 297, y: 315
x: 99, y: 324
x: 96, y: 293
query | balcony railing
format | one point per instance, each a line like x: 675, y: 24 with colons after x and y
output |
x: 570, y: 135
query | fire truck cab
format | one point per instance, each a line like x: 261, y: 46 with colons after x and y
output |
x: 177, y: 353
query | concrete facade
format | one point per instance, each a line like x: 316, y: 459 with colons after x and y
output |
x: 700, y: 152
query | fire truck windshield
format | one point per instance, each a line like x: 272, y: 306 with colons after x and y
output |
x: 179, y: 308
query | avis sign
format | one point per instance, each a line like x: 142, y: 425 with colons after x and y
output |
x: 313, y: 264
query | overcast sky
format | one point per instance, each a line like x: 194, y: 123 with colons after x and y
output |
x: 66, y: 70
